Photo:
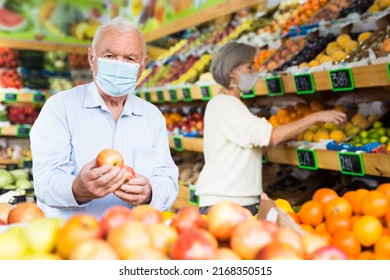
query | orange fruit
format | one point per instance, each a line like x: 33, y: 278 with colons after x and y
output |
x: 338, y: 206
x: 387, y: 219
x: 320, y: 227
x: 336, y: 222
x: 382, y: 246
x: 349, y: 195
x: 295, y: 217
x: 347, y: 242
x: 367, y: 230
x: 311, y: 213
x: 385, y: 189
x: 307, y: 228
x: 365, y: 255
x: 324, y: 195
x: 357, y: 199
x: 282, y: 113
x: 375, y: 204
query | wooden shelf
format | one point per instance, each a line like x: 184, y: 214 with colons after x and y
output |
x: 21, y: 131
x: 374, y: 164
x: 364, y: 77
x: 219, y: 10
x: 20, y: 163
x: 21, y: 97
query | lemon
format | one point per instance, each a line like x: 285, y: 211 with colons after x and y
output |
x: 284, y: 205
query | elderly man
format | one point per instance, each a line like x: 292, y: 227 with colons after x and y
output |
x: 75, y: 125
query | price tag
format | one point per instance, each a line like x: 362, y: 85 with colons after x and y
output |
x: 160, y: 96
x: 249, y: 94
x: 351, y: 163
x: 23, y: 131
x: 274, y: 86
x: 304, y: 83
x: 205, y: 92
x: 27, y: 163
x: 147, y: 96
x: 173, y: 95
x: 187, y: 95
x: 178, y: 144
x: 307, y: 159
x: 10, y: 97
x: 39, y: 98
x: 341, y: 79
x: 264, y: 158
x: 193, y: 198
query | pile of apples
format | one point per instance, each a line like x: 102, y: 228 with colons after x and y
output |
x: 187, y: 125
x: 227, y: 232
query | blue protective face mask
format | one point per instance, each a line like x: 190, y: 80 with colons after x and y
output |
x: 116, y: 77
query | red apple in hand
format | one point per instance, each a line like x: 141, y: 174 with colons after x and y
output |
x: 129, y: 174
x: 115, y: 216
x: 109, y: 157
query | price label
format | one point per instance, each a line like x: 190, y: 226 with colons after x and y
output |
x: 160, y: 96
x: 274, y: 86
x: 173, y: 95
x: 39, y: 98
x: 249, y: 94
x: 307, y: 159
x: 205, y: 92
x: 187, y: 94
x: 193, y: 198
x: 304, y: 83
x: 137, y: 93
x: 178, y: 144
x: 147, y: 96
x: 351, y: 163
x: 27, y: 163
x: 23, y: 131
x: 264, y: 158
x: 10, y: 97
x: 341, y: 79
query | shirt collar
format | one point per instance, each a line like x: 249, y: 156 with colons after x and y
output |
x: 93, y: 99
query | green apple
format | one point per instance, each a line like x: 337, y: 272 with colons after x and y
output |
x: 357, y: 139
x: 363, y: 134
x: 12, y: 245
x: 41, y: 234
x: 365, y: 141
x: 381, y: 131
x: 377, y: 124
x: 383, y: 139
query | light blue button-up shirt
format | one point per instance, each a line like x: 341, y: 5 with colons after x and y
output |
x: 74, y: 126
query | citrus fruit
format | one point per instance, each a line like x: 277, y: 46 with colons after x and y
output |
x: 311, y: 213
x: 338, y: 207
x: 367, y: 230
x: 324, y: 195
x: 335, y: 223
x: 375, y: 204
x: 346, y: 241
x: 382, y: 246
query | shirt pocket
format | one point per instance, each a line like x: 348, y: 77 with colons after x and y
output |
x: 144, y: 160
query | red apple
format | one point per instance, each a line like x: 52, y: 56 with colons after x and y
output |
x: 224, y: 253
x: 224, y: 216
x: 292, y: 238
x: 147, y: 215
x: 199, y: 125
x: 24, y: 212
x: 5, y: 208
x: 186, y: 218
x: 2, y: 223
x: 109, y: 157
x: 78, y: 228
x: 328, y: 253
x: 162, y: 236
x: 93, y: 249
x: 128, y: 238
x: 115, y: 216
x: 129, y: 174
x: 312, y: 242
x: 194, y: 244
x: 270, y: 226
x: 277, y: 251
x: 249, y: 237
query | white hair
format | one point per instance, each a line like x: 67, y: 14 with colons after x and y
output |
x: 122, y: 25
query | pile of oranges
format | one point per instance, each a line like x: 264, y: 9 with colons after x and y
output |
x: 357, y: 222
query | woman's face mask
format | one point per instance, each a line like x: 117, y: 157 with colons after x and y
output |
x: 115, y: 77
x: 247, y: 81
